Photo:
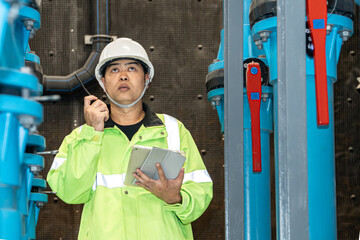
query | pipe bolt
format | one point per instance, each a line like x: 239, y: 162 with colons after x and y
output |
x: 35, y: 169
x: 27, y: 121
x: 32, y: 33
x: 345, y: 34
x: 29, y: 24
x: 329, y: 28
x: 259, y: 44
x: 264, y: 97
x: 264, y: 35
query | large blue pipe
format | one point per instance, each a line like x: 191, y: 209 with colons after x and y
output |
x: 257, y: 208
x: 321, y: 157
x: 257, y: 197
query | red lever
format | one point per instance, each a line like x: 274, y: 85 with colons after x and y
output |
x: 253, y: 89
x: 317, y: 20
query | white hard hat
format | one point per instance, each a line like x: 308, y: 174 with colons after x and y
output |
x: 123, y: 48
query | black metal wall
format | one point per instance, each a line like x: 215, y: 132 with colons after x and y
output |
x: 182, y: 39
x: 347, y: 137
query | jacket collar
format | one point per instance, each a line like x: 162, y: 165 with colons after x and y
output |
x: 150, y: 119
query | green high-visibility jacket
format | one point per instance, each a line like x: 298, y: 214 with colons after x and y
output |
x: 91, y: 166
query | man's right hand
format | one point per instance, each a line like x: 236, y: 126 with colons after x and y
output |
x: 96, y: 114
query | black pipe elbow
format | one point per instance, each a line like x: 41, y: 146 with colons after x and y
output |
x: 73, y: 81
x: 68, y: 84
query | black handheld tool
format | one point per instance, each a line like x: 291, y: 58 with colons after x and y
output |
x: 92, y: 101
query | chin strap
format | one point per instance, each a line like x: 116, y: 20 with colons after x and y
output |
x: 133, y: 103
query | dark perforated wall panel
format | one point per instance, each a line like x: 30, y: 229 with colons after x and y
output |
x: 347, y: 137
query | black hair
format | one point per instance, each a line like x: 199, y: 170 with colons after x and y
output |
x: 104, y: 67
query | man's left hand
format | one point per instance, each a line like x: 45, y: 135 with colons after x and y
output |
x: 165, y: 189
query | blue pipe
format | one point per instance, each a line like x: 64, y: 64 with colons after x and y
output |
x: 257, y: 207
x: 257, y: 204
x: 321, y: 157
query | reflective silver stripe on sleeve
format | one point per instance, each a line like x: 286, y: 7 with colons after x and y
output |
x: 81, y: 128
x: 109, y: 181
x: 117, y: 180
x: 198, y: 176
x: 57, y: 163
x: 172, y: 128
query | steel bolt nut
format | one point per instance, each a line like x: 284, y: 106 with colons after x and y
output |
x: 345, y: 34
x: 35, y: 169
x: 259, y: 44
x: 32, y: 33
x: 329, y: 28
x: 264, y: 35
x: 29, y: 24
x: 27, y: 121
x: 264, y: 97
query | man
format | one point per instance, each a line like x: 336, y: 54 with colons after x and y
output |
x: 92, y: 161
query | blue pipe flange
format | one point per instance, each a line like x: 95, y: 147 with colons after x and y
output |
x: 39, y: 198
x: 39, y: 183
x: 37, y: 142
x: 17, y: 80
x: 35, y: 162
x: 27, y: 111
x: 30, y: 56
x: 264, y: 36
x: 33, y: 62
x: 30, y: 14
x: 217, y: 64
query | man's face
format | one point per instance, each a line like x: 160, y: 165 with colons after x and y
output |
x: 124, y: 80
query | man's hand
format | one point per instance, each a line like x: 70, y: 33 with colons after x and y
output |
x: 165, y: 189
x: 96, y: 113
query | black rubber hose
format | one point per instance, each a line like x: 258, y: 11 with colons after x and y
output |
x: 85, y: 74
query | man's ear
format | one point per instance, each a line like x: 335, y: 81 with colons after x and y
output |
x: 103, y: 80
x: 147, y: 76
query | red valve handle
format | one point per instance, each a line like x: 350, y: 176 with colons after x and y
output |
x: 253, y: 89
x: 317, y: 20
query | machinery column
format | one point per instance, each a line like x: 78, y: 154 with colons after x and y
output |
x: 290, y: 124
x: 234, y: 160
